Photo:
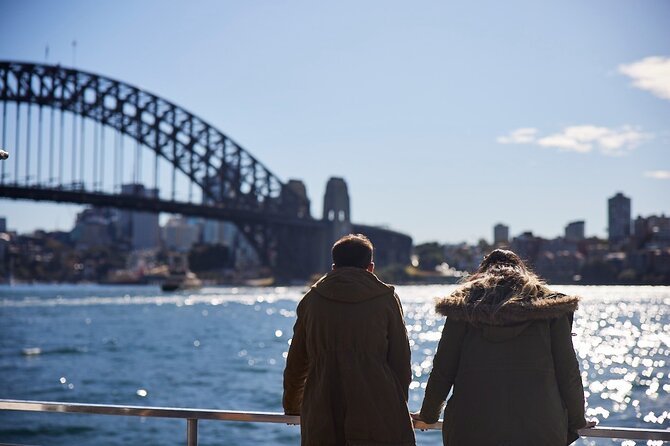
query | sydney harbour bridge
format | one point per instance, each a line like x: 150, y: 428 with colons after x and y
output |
x: 78, y: 137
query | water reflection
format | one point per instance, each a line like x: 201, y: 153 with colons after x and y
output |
x: 622, y: 339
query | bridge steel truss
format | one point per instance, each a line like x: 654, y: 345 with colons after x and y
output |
x: 235, y: 185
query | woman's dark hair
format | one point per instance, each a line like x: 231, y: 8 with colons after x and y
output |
x: 352, y: 250
x: 502, y: 277
x: 501, y: 258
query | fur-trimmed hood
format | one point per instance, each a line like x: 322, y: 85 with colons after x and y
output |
x: 549, y: 305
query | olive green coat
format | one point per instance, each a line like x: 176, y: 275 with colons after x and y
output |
x: 348, y: 367
x: 514, y: 374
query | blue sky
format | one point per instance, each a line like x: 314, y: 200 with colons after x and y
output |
x: 444, y: 117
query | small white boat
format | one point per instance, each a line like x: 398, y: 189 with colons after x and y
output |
x: 181, y: 281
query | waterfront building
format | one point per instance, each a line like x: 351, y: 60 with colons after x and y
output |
x: 574, y: 231
x: 141, y: 229
x: 5, y: 240
x: 652, y: 232
x: 391, y: 248
x: 594, y: 248
x: 216, y: 232
x: 527, y: 246
x: 500, y: 234
x: 559, y: 244
x: 3, y: 224
x: 179, y: 234
x: 94, y: 227
x: 618, y: 218
x: 559, y: 267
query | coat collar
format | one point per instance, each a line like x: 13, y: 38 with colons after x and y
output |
x: 351, y: 285
x: 546, y: 306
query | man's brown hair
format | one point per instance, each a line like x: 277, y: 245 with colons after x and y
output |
x: 352, y: 250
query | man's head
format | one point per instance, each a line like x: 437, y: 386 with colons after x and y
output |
x: 353, y: 250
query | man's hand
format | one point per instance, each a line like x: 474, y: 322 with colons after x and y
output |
x: 293, y: 414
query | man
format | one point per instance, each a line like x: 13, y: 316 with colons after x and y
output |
x: 348, y: 368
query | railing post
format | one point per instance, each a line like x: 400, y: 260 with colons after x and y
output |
x: 192, y: 432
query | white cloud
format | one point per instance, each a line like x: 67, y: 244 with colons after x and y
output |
x: 524, y: 135
x: 582, y: 139
x: 565, y: 143
x: 658, y: 174
x: 651, y: 74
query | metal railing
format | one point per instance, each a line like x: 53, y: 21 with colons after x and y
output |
x: 193, y: 415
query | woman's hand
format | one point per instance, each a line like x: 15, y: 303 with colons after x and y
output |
x: 416, y: 416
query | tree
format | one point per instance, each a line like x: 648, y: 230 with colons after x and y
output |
x: 430, y: 255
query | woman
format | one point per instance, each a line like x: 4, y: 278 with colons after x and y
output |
x: 506, y: 349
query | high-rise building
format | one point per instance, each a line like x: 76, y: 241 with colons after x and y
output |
x: 574, y: 231
x: 140, y: 228
x: 618, y: 228
x: 4, y: 247
x: 215, y: 232
x: 179, y: 234
x: 94, y: 227
x: 500, y: 234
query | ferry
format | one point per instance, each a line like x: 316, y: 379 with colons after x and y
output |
x: 184, y: 280
x: 180, y: 277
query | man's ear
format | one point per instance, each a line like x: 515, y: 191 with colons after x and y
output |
x: 371, y: 267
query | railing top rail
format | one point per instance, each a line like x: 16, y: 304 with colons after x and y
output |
x: 147, y: 411
x: 266, y: 417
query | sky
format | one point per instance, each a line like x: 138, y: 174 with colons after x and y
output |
x: 444, y: 117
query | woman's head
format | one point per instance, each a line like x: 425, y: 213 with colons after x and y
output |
x: 501, y: 258
x: 504, y: 291
x: 502, y: 277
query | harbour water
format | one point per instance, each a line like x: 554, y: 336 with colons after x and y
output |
x: 225, y: 348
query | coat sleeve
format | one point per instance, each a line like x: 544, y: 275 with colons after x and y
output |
x: 567, y: 374
x: 399, y: 355
x: 297, y: 364
x: 445, y: 366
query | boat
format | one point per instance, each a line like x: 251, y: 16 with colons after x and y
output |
x: 185, y: 280
x: 260, y: 282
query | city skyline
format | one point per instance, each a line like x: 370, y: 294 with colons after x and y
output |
x: 440, y: 126
x: 489, y: 238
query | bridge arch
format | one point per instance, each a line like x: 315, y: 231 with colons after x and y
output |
x: 240, y: 188
x: 227, y: 174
